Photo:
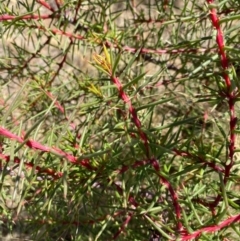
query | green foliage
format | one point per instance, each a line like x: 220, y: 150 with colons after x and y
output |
x: 117, y: 119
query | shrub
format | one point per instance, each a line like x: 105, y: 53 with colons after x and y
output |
x: 119, y: 119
